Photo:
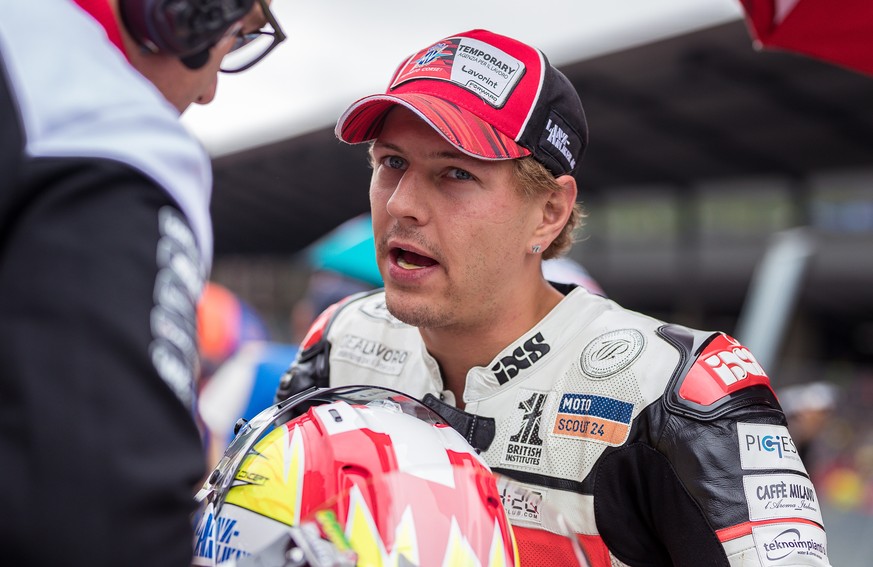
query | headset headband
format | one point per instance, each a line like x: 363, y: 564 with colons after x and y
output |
x: 186, y: 29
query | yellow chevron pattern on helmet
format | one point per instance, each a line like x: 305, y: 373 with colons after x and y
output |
x: 405, y: 540
x: 497, y: 554
x: 270, y: 478
x: 364, y: 538
x: 459, y: 552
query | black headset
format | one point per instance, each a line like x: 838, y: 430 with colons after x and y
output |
x: 186, y: 29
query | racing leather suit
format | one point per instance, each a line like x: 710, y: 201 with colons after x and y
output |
x: 105, y: 240
x: 660, y: 444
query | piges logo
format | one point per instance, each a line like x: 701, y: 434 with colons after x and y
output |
x: 521, y: 358
x: 767, y: 447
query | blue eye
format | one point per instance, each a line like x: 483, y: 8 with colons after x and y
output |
x: 460, y: 174
x: 394, y: 162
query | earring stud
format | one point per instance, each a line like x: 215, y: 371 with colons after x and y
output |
x: 535, y: 248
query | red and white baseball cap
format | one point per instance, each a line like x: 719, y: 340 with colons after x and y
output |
x: 490, y: 96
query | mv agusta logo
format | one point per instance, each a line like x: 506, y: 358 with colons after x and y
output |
x: 521, y: 358
x: 611, y: 353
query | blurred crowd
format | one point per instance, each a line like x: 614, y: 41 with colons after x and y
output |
x: 832, y: 425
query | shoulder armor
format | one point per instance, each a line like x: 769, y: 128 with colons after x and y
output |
x: 312, y: 365
x: 716, y: 374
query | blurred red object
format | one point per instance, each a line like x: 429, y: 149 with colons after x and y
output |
x: 224, y: 322
x: 836, y: 32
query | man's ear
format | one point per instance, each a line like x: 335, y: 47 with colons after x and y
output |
x: 556, y: 210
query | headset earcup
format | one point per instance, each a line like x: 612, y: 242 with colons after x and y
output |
x: 181, y: 27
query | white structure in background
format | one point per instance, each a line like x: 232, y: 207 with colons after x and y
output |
x: 339, y: 50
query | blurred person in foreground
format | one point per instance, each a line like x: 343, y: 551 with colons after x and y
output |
x: 106, y: 241
x: 660, y: 444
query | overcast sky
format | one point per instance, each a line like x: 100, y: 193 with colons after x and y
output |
x: 340, y: 50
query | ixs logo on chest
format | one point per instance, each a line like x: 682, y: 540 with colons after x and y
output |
x: 597, y: 418
x: 521, y: 358
x: 767, y: 447
x: 776, y: 496
x: 371, y: 354
x: 791, y: 544
x: 525, y: 448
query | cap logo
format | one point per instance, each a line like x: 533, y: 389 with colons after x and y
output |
x: 432, y: 54
x: 474, y: 65
x: 559, y: 141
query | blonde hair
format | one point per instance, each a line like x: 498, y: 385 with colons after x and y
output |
x: 534, y: 179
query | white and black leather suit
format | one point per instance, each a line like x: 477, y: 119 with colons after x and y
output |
x: 660, y: 444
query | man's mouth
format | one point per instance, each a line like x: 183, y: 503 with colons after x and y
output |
x: 411, y: 260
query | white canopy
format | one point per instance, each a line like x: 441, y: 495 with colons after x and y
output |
x: 340, y: 50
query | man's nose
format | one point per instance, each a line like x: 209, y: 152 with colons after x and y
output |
x: 407, y: 200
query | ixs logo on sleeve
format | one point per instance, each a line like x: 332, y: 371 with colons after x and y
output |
x: 765, y: 446
x: 733, y: 362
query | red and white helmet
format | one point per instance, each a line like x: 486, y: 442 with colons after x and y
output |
x: 367, y: 476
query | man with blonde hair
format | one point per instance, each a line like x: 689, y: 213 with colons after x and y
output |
x: 658, y: 444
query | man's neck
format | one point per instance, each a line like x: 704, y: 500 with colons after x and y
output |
x: 458, y: 350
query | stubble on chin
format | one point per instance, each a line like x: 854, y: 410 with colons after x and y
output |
x: 417, y: 314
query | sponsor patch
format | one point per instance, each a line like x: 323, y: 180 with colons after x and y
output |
x: 522, y: 358
x: 791, y: 544
x: 560, y: 141
x: 767, y: 447
x: 724, y: 367
x: 370, y: 354
x: 520, y: 502
x: 775, y: 496
x: 611, y: 353
x: 598, y: 418
x: 476, y: 66
x: 525, y: 448
x: 378, y: 310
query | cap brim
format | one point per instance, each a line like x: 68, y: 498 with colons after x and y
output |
x: 362, y: 122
